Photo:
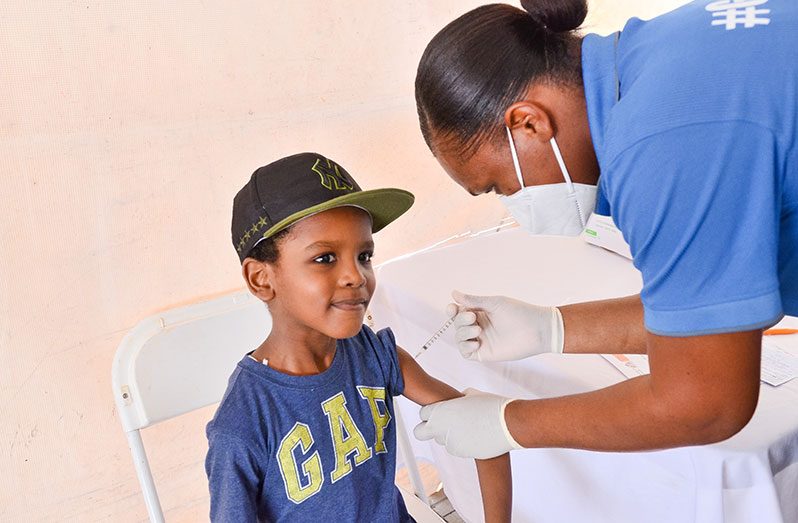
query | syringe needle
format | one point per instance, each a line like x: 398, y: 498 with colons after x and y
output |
x: 435, y: 337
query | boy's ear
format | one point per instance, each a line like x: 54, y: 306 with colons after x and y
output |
x: 259, y: 277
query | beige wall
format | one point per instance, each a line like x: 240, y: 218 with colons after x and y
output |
x: 126, y: 129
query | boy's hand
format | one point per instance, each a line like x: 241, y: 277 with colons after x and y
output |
x: 470, y: 427
x: 498, y: 328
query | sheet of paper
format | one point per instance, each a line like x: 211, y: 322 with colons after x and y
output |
x: 778, y: 365
x: 601, y: 230
x: 631, y: 365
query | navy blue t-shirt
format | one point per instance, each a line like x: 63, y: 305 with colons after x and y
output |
x: 309, y: 448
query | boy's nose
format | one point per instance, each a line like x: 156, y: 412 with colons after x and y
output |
x: 352, y: 276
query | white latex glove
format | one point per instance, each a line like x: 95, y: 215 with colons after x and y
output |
x: 498, y: 328
x: 470, y: 427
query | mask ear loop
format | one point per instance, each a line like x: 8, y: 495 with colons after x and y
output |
x: 568, y: 183
x: 515, y: 157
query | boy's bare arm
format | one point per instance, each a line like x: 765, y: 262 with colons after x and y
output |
x: 495, y: 479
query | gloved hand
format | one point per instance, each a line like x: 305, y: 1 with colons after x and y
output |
x: 498, y: 328
x: 470, y: 427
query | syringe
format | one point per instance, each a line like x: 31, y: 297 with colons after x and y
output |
x: 435, y: 337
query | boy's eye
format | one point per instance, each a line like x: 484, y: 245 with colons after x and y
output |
x: 366, y: 256
x: 325, y: 258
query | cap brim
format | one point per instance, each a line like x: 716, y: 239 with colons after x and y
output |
x: 384, y: 206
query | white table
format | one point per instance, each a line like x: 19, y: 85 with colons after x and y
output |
x: 752, y: 477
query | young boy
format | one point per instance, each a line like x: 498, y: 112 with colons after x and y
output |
x: 304, y: 431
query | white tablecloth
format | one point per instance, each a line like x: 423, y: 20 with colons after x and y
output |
x: 752, y: 477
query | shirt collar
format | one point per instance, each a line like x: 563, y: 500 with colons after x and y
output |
x: 601, y: 92
x: 598, y: 74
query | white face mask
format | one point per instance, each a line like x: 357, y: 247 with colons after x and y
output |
x: 558, y: 208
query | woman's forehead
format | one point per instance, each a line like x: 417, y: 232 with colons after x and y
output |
x: 474, y: 170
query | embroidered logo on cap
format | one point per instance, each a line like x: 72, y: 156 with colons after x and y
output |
x: 331, y: 176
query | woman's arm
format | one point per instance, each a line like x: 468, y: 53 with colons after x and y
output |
x: 500, y: 328
x: 607, y: 326
x: 495, y: 479
x: 702, y: 389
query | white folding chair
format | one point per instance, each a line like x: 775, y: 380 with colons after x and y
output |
x: 180, y: 360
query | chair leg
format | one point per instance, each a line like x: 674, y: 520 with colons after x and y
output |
x: 145, y: 476
x: 408, y: 457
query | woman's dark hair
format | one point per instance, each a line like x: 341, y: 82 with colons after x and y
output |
x: 267, y: 250
x: 480, y: 63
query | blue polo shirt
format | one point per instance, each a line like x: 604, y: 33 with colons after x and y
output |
x: 699, y: 160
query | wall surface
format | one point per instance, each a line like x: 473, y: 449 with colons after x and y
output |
x: 127, y: 127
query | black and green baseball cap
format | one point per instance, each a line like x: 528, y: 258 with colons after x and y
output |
x: 283, y: 192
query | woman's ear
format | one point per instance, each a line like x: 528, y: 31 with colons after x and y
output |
x: 259, y: 277
x: 529, y: 118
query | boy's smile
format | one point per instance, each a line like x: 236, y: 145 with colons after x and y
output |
x: 351, y: 305
x: 323, y: 280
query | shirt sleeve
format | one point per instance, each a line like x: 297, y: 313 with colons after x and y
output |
x: 233, y: 479
x: 384, y: 345
x: 700, y: 208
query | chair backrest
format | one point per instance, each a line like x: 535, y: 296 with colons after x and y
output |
x: 180, y: 360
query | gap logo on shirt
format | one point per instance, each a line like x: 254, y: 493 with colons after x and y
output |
x: 305, y: 478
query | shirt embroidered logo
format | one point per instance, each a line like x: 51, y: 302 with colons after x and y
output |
x: 731, y: 13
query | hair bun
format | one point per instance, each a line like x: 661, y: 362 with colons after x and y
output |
x: 558, y: 16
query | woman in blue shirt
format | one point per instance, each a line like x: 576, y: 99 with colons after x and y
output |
x: 683, y: 129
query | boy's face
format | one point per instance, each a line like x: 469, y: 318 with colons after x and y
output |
x: 323, y: 279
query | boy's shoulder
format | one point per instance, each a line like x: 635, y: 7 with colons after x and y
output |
x: 381, y: 340
x: 378, y: 351
x: 240, y: 404
x: 373, y: 346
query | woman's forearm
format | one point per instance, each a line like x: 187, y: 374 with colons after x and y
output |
x: 618, y: 418
x: 612, y: 326
x: 701, y: 390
